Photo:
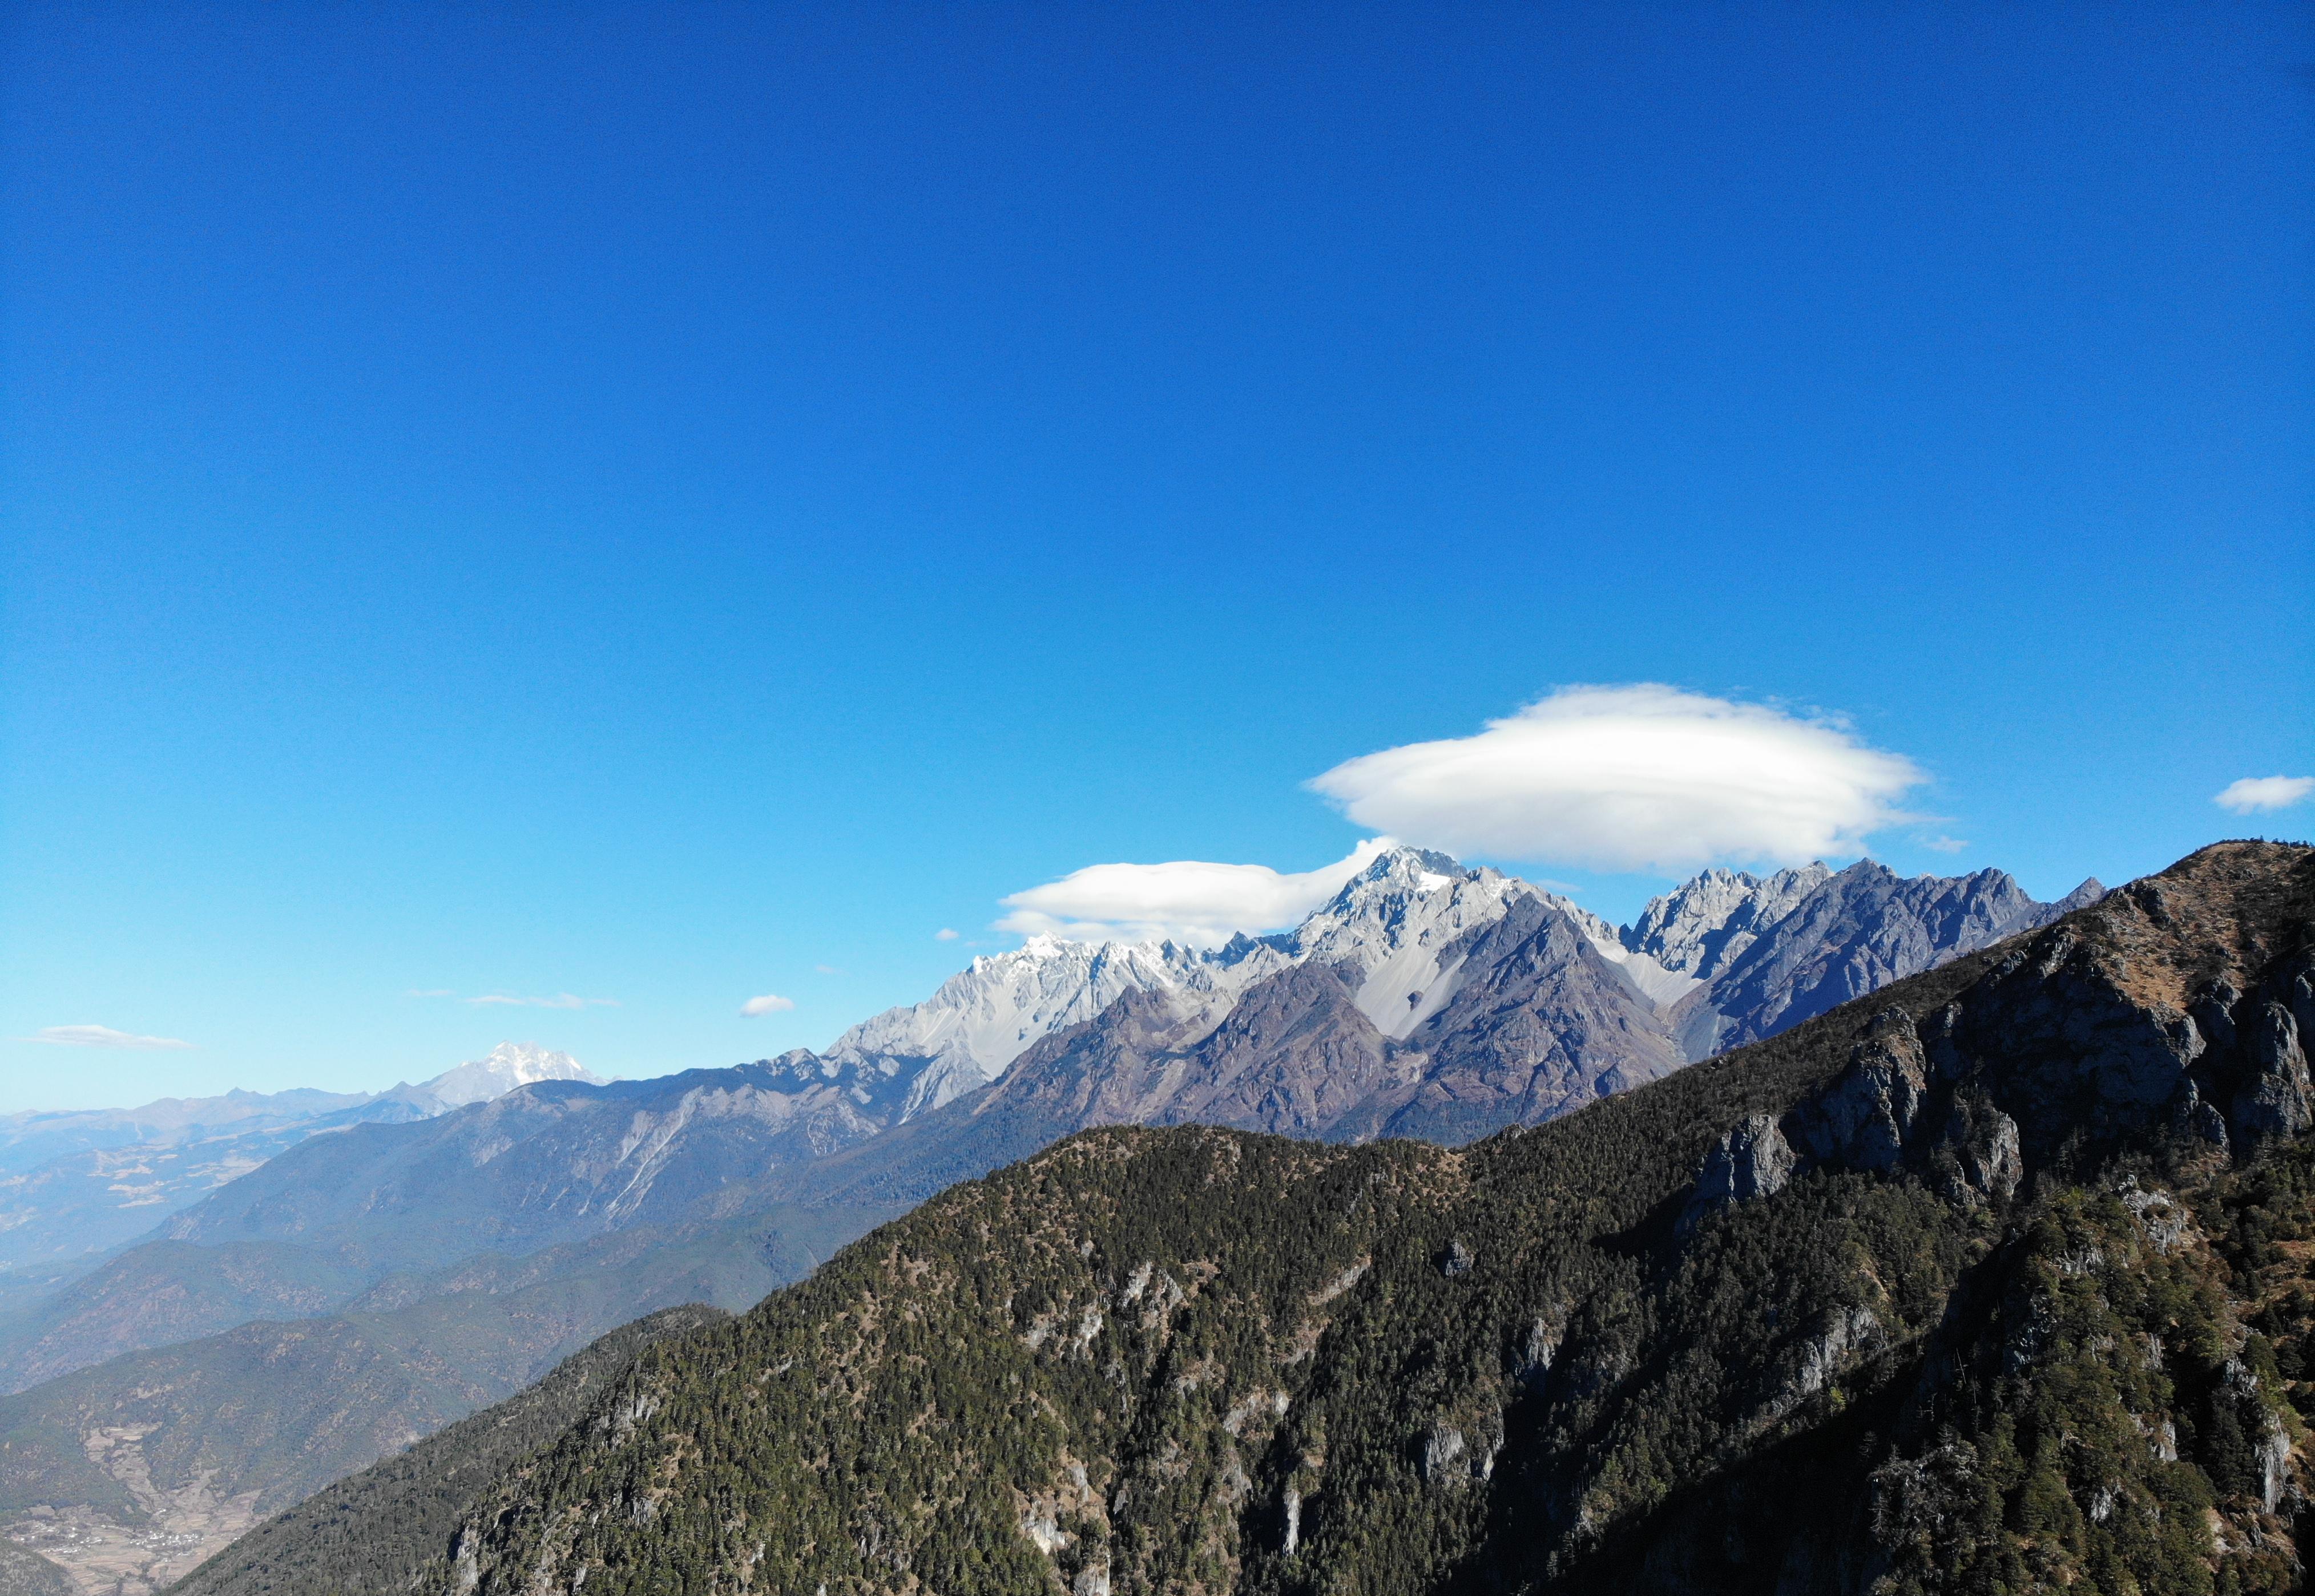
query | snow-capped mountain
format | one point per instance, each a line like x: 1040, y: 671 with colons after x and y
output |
x: 1403, y: 922
x: 1395, y: 923
x: 505, y: 1067
x: 986, y: 1016
x: 1722, y: 958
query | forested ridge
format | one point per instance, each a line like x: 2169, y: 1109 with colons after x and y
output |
x: 1997, y: 1280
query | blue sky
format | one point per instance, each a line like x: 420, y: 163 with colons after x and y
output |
x: 674, y: 503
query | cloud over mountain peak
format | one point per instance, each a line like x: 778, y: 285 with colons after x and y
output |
x: 1632, y: 777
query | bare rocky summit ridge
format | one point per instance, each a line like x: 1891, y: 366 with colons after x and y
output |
x: 1430, y: 1001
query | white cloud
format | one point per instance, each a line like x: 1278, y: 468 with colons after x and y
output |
x: 1944, y: 845
x: 946, y: 935
x: 2256, y: 793
x: 99, y: 1036
x: 768, y: 1003
x: 1188, y: 900
x: 560, y: 1000
x: 1644, y: 776
x: 827, y: 970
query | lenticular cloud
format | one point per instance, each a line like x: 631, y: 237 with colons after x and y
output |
x: 1186, y: 900
x: 1637, y: 778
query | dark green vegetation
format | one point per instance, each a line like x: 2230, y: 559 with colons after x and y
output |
x: 375, y: 1531
x: 1995, y: 1281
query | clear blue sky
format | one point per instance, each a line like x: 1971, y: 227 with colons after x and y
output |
x: 648, y: 501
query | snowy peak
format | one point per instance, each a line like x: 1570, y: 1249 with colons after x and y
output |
x: 1701, y: 928
x: 986, y: 1016
x: 1389, y: 920
x: 1401, y: 935
x: 1405, y: 923
x: 506, y: 1066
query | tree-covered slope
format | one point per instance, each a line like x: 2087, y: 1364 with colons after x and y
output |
x: 1995, y: 1280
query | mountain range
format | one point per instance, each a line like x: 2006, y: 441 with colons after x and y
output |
x: 76, y: 1183
x: 398, y: 1260
x: 1992, y: 1278
x: 1424, y: 999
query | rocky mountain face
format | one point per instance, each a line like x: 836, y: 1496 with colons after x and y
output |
x: 1849, y: 935
x: 1432, y: 1001
x: 1990, y: 1280
x: 1703, y: 927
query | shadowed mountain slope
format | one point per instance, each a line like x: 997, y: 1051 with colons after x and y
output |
x: 555, y: 1165
x: 1988, y: 1281
x: 129, y: 1472
x: 373, y: 1531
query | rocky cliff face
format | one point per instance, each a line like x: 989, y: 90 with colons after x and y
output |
x: 1849, y: 935
x: 1992, y: 1279
x: 1706, y: 926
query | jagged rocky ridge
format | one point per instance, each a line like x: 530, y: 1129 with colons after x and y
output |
x: 1727, y: 958
x: 1425, y: 1000
x: 1991, y: 1281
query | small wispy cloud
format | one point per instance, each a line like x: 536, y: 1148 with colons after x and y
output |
x: 2256, y: 794
x: 827, y: 970
x: 770, y: 1003
x: 99, y: 1036
x: 944, y: 934
x: 560, y: 1000
x: 1942, y: 844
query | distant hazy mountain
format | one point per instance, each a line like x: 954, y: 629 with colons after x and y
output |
x: 74, y: 1184
x: 505, y: 1067
x: 136, y: 1468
